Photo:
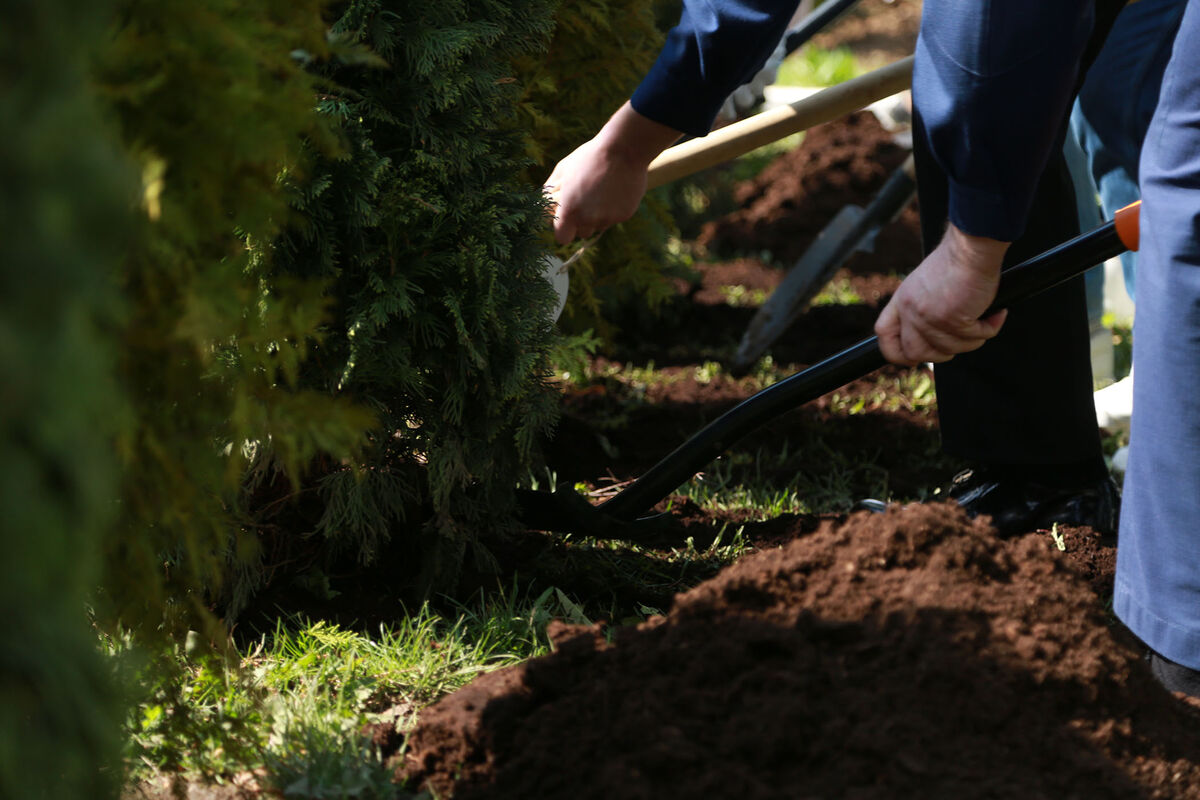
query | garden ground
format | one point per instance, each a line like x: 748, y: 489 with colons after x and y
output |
x: 854, y: 655
x: 776, y: 644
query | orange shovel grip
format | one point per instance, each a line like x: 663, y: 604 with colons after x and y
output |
x: 1128, y: 228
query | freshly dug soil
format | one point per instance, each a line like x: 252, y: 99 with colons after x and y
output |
x: 779, y: 214
x: 907, y: 654
x: 782, y: 211
x: 784, y: 208
x: 875, y: 31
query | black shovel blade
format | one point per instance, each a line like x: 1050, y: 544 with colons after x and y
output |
x: 565, y: 511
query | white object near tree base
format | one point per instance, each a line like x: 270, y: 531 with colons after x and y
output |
x: 556, y: 272
x: 1114, y: 404
x: 1116, y: 297
x: 1120, y: 461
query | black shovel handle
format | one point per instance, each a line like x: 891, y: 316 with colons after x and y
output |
x: 811, y: 25
x: 1017, y: 283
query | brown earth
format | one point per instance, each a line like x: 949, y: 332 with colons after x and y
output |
x: 605, y: 432
x: 792, y: 200
x: 911, y: 654
x: 875, y: 31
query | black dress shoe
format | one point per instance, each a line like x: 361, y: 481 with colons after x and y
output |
x: 1020, y: 506
x: 1174, y: 677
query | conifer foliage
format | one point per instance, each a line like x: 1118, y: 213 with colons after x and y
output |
x: 213, y: 103
x: 429, y: 242
x: 63, y: 213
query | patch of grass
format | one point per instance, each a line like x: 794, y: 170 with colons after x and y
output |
x: 781, y: 480
x: 657, y: 572
x: 838, y: 292
x: 319, y: 756
x: 816, y: 66
x: 744, y: 297
x: 910, y: 391
x: 294, y: 706
x: 708, y: 372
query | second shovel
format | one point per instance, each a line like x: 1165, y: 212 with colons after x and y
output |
x: 851, y: 229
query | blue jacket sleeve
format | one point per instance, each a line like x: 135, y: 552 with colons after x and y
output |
x: 993, y: 82
x: 717, y: 46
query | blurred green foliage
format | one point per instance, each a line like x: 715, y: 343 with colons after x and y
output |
x: 213, y: 102
x: 815, y: 66
x: 64, y: 216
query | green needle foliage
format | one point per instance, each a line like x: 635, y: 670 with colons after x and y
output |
x: 428, y: 240
x: 63, y: 217
x: 213, y: 104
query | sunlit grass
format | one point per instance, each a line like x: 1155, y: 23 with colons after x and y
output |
x: 910, y: 391
x: 838, y: 292
x: 743, y: 296
x: 815, y: 66
x: 821, y: 479
x: 292, y: 707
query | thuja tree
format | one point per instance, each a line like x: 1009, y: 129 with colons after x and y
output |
x: 429, y: 241
x: 600, y: 51
x: 64, y: 210
x: 212, y: 101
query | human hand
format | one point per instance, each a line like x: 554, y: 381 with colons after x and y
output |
x: 592, y: 189
x: 602, y: 182
x: 934, y: 315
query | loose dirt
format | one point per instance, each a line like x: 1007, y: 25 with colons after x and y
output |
x: 606, y: 432
x: 792, y: 200
x: 875, y: 31
x: 910, y: 654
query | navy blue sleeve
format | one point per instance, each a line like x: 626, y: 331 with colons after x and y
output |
x: 993, y: 82
x: 717, y: 46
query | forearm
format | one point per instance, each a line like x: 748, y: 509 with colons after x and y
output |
x: 634, y: 139
x: 717, y: 44
x: 993, y: 85
x: 981, y: 255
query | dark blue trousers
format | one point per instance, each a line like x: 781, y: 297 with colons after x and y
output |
x: 1158, y: 556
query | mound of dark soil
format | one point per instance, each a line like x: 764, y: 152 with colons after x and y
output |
x: 784, y: 208
x: 909, y: 654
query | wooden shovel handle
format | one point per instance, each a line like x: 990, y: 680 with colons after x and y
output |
x: 774, y: 124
